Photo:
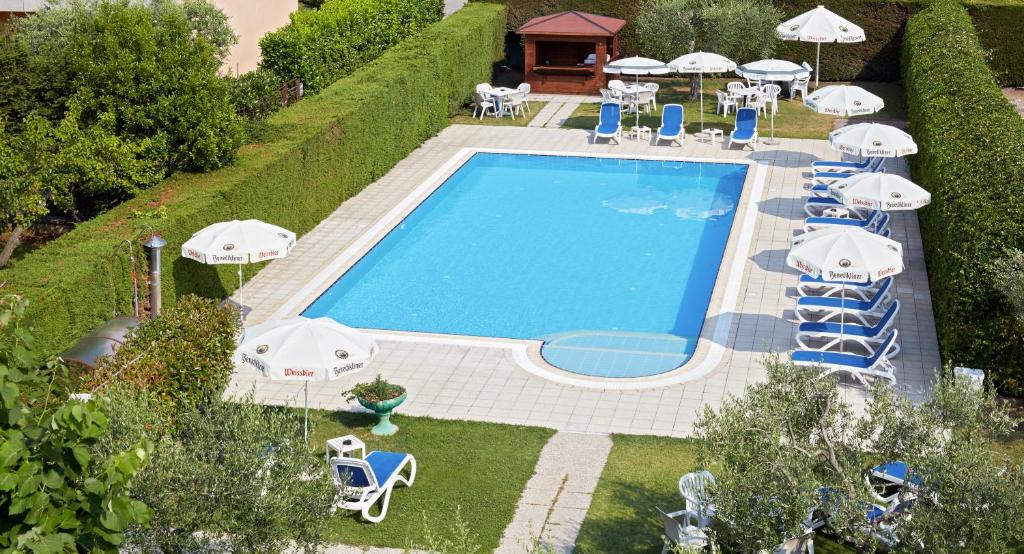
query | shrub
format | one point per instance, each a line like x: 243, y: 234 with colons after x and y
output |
x: 257, y: 94
x: 320, y: 152
x: 56, y: 494
x: 668, y: 28
x: 320, y: 46
x: 999, y: 28
x: 224, y: 479
x: 182, y: 357
x: 971, y: 147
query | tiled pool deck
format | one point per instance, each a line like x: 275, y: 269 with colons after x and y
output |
x: 487, y: 384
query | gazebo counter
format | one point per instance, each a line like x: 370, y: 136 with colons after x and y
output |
x: 557, y: 47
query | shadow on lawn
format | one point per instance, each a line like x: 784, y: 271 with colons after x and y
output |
x: 636, y: 530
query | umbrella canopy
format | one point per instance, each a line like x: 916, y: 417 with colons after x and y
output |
x: 819, y: 25
x: 702, y: 62
x: 844, y: 101
x: 772, y: 70
x: 845, y: 254
x: 238, y: 242
x: 303, y: 349
x: 636, y: 66
x: 880, y: 191
x: 872, y: 140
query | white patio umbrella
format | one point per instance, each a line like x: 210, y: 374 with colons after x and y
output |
x: 636, y: 66
x: 238, y: 242
x: 702, y: 62
x: 880, y: 191
x: 872, y: 140
x: 303, y: 349
x: 845, y: 254
x: 819, y: 25
x: 844, y: 101
x: 772, y: 70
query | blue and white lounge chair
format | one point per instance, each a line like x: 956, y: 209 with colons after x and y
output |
x: 893, y: 475
x: 826, y: 178
x: 609, y: 123
x: 875, y: 364
x: 816, y: 205
x: 875, y: 221
x: 746, y: 128
x: 671, y: 123
x: 827, y: 335
x: 829, y: 308
x: 832, y: 166
x: 363, y: 483
x: 816, y: 286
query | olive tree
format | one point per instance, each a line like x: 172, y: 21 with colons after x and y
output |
x: 741, y: 30
x: 231, y: 476
x: 792, y: 447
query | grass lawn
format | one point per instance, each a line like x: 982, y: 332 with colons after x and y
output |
x: 476, y: 469
x: 465, y: 117
x: 794, y: 120
x: 642, y: 473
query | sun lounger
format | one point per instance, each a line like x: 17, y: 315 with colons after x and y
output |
x: 746, y: 128
x: 832, y: 308
x: 363, y: 483
x: 816, y: 286
x: 671, y: 123
x: 875, y: 221
x: 830, y: 334
x: 609, y: 123
x: 832, y: 166
x: 876, y: 364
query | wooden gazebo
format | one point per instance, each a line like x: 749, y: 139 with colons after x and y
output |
x: 566, y: 51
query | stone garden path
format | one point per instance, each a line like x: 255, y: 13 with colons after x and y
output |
x: 557, y: 497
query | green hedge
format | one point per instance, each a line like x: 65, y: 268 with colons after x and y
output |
x: 971, y: 158
x: 320, y: 46
x: 875, y: 59
x: 322, y: 151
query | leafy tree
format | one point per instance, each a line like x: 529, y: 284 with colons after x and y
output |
x: 69, y: 168
x: 773, y: 450
x: 740, y: 30
x: 56, y: 493
x: 235, y: 477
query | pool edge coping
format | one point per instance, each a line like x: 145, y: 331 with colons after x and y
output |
x: 526, y: 353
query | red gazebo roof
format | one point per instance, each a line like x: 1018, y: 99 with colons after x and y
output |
x: 572, y: 23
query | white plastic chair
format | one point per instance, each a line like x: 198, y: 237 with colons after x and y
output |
x: 362, y: 483
x: 759, y: 102
x: 772, y: 92
x: 653, y: 87
x: 513, y: 104
x: 483, y: 103
x: 483, y: 87
x: 525, y: 89
x: 694, y: 489
x: 616, y: 84
x: 799, y: 85
x: 725, y: 102
x: 680, y: 529
x: 608, y: 95
x: 734, y: 87
x: 643, y: 99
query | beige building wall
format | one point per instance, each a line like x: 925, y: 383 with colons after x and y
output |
x: 251, y: 19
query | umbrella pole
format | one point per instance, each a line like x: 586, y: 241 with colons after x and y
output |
x: 241, y: 303
x: 305, y: 420
x: 636, y: 101
x: 702, y: 103
x: 817, y: 65
x: 842, y: 321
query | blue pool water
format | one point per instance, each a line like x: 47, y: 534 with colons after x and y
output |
x: 611, y: 261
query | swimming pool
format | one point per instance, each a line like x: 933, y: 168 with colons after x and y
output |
x: 611, y: 262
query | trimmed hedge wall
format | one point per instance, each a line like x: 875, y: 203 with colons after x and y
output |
x: 971, y: 158
x: 320, y: 46
x: 875, y: 59
x: 323, y: 151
